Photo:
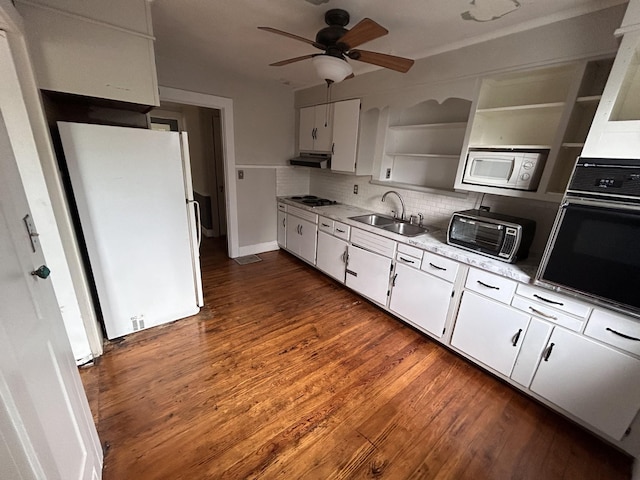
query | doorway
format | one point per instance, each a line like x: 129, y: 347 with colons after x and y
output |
x: 227, y: 148
x: 204, y: 129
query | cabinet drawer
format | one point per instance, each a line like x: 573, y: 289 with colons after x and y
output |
x: 440, y: 266
x: 373, y: 242
x: 282, y: 207
x: 341, y: 230
x: 551, y: 299
x: 546, y: 313
x: 490, y: 285
x: 613, y: 328
x: 408, y: 259
x: 325, y: 225
x: 300, y: 213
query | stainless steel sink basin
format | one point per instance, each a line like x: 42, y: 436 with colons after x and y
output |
x: 375, y: 220
x: 391, y: 224
x: 406, y: 229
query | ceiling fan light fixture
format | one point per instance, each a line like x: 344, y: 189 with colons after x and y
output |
x: 331, y: 69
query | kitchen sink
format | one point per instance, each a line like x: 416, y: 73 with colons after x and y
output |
x: 375, y: 220
x: 391, y: 224
x: 406, y: 229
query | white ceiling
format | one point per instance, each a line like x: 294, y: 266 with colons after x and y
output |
x: 224, y: 33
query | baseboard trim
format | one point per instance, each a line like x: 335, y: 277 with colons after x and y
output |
x: 258, y: 248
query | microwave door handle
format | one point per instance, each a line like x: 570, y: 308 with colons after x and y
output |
x: 513, y: 168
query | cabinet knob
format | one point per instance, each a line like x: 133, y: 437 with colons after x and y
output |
x: 42, y: 272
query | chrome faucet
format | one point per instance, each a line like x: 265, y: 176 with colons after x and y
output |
x: 401, y: 201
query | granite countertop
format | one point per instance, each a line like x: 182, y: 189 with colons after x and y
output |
x: 434, y: 241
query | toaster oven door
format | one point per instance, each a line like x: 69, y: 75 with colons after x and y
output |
x: 484, y: 237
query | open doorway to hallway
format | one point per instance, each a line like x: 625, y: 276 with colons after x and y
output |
x: 203, y: 126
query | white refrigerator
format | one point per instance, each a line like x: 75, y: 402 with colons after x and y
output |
x: 140, y: 223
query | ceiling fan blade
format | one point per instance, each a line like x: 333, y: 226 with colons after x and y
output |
x: 364, y: 31
x: 291, y: 60
x: 295, y: 37
x: 399, y: 64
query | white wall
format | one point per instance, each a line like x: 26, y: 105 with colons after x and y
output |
x: 257, y: 217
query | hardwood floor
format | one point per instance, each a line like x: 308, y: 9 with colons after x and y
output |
x: 286, y: 374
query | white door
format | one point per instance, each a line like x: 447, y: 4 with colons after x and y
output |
x: 591, y: 381
x: 308, y: 239
x: 46, y: 427
x: 421, y: 298
x: 332, y: 255
x: 368, y: 273
x: 307, y: 128
x: 346, y: 116
x: 489, y: 331
x: 324, y: 127
x: 282, y: 229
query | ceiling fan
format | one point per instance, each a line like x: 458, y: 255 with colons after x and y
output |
x: 339, y: 43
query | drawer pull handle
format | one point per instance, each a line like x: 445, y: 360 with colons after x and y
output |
x: 341, y: 231
x: 406, y: 260
x: 351, y: 272
x: 516, y: 337
x: 436, y: 266
x: 487, y: 285
x: 628, y: 337
x: 547, y: 300
x: 547, y: 352
x: 393, y: 282
x: 542, y: 314
x: 325, y: 225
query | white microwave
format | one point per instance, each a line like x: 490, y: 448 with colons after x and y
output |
x: 515, y: 169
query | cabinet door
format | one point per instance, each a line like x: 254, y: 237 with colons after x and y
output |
x: 282, y: 229
x: 308, y: 238
x: 368, y: 274
x: 489, y: 331
x: 591, y: 381
x: 331, y: 256
x: 346, y: 117
x: 292, y: 234
x: 307, y: 128
x: 324, y: 128
x: 421, y: 298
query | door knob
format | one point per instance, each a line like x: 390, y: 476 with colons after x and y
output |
x: 42, y: 271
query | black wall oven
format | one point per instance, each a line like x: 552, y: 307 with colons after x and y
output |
x: 594, y: 248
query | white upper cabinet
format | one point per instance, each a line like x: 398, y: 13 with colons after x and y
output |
x: 346, y: 121
x: 316, y: 128
x: 87, y: 48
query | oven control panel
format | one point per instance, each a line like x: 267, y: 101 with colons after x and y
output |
x: 606, y: 176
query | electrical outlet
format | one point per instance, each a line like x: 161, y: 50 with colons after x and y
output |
x: 388, y: 174
x: 240, y: 174
x: 355, y: 189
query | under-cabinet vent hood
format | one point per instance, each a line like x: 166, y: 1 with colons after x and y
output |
x: 315, y: 160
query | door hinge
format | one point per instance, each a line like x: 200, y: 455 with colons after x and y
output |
x: 453, y: 292
x: 388, y: 292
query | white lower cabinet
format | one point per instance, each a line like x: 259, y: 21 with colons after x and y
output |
x: 594, y: 382
x: 489, y: 331
x: 421, y: 298
x: 331, y: 256
x: 301, y: 237
x: 282, y: 229
x: 368, y: 274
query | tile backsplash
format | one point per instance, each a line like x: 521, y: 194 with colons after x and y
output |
x: 435, y: 207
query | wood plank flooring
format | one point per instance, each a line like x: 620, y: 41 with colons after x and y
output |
x: 286, y: 374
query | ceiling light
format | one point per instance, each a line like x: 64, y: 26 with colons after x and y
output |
x: 331, y: 69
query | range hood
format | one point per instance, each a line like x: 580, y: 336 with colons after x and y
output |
x: 314, y: 160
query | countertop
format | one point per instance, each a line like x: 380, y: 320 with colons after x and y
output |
x: 434, y: 241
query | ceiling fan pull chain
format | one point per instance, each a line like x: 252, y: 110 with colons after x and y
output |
x: 326, y: 112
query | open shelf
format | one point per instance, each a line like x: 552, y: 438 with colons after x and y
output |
x: 511, y: 108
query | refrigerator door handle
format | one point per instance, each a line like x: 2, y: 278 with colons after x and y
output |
x: 198, y: 221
